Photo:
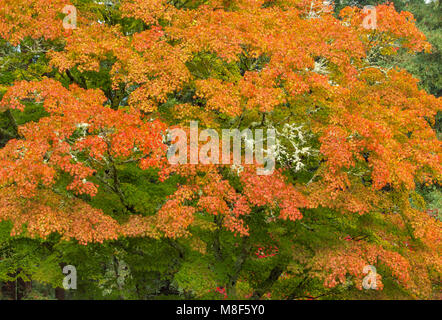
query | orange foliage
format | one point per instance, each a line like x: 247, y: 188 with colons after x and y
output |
x: 372, y: 123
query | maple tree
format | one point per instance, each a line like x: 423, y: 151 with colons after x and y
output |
x: 84, y: 173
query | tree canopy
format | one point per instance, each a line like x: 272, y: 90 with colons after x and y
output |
x: 85, y: 181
